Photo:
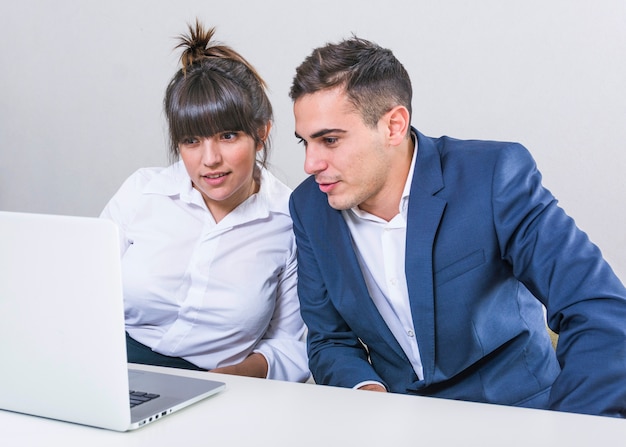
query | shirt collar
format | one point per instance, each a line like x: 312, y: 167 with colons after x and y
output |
x: 404, y: 202
x: 171, y: 181
x: 272, y: 197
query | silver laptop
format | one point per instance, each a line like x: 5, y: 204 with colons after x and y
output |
x: 62, y: 336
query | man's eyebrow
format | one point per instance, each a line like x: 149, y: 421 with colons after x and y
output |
x: 321, y: 133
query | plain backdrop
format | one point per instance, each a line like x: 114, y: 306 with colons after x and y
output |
x: 82, y: 83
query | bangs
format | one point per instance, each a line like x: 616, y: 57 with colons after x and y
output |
x: 203, y: 108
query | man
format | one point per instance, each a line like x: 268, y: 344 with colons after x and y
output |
x: 424, y: 263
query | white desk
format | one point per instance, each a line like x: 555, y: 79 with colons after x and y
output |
x: 271, y: 413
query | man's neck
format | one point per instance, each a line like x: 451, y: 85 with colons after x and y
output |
x: 386, y: 204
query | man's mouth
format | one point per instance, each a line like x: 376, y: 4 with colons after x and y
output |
x: 327, y: 187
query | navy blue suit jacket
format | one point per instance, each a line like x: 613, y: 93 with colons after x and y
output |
x: 486, y: 245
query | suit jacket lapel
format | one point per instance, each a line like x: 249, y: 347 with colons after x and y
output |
x: 424, y: 215
x: 345, y: 281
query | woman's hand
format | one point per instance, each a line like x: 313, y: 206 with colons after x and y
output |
x: 255, y: 365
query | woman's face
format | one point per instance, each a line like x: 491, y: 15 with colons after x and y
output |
x: 221, y: 167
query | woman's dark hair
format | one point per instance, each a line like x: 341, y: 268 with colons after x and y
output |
x: 216, y: 90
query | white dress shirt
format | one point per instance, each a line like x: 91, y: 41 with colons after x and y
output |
x: 380, y: 249
x: 211, y: 293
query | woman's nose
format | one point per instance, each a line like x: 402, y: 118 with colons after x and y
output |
x: 211, y: 155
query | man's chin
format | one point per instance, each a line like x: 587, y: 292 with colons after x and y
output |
x: 338, y: 204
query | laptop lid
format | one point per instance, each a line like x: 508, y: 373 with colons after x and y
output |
x: 62, y: 335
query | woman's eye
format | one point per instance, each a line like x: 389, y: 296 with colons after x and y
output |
x: 229, y: 135
x: 189, y: 141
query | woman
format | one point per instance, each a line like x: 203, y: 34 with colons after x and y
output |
x: 208, y: 254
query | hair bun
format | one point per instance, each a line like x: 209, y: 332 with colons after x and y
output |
x: 196, y: 45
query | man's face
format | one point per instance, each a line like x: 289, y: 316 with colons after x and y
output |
x: 350, y: 161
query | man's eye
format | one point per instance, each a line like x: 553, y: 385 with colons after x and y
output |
x: 302, y: 141
x: 330, y: 140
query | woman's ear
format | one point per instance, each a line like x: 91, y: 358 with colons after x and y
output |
x: 264, y: 133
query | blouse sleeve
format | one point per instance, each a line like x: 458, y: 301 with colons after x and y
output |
x: 283, y: 344
x: 121, y: 206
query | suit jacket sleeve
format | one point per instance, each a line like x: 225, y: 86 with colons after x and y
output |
x: 336, y: 355
x: 585, y: 301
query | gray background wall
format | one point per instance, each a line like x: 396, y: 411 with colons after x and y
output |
x: 81, y: 86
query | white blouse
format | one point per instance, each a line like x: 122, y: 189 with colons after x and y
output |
x: 211, y: 293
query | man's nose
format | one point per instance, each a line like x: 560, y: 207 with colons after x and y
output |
x: 314, y: 163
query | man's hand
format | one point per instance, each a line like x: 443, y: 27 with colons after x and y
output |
x: 373, y: 387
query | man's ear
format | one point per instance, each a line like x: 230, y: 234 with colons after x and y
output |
x: 398, y: 124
